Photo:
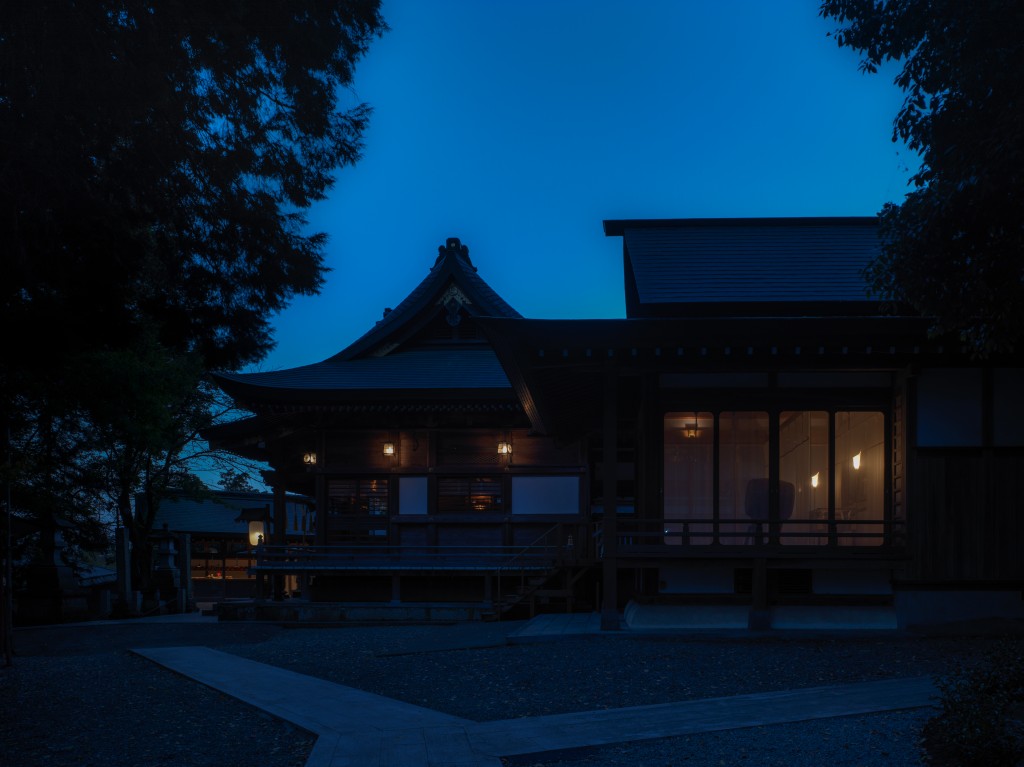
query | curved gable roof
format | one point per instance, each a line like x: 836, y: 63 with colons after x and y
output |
x: 374, y: 363
x: 452, y: 278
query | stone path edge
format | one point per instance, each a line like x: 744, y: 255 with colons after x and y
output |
x: 347, y: 722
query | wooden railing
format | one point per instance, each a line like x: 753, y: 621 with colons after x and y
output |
x: 633, y: 535
x: 494, y: 559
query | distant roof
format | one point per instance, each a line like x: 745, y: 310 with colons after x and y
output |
x: 685, y: 266
x: 218, y: 514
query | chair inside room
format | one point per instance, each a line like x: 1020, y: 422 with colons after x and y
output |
x: 756, y: 505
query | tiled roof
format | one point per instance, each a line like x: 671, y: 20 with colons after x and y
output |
x: 422, y: 368
x: 452, y: 266
x: 745, y: 261
x: 383, y: 360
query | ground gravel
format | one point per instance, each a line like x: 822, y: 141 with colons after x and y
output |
x: 77, y: 696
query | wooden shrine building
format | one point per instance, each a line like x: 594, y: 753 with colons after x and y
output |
x: 756, y: 434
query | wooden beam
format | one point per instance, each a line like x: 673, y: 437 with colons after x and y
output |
x: 609, y: 479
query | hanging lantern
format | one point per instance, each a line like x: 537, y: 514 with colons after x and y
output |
x: 257, y: 532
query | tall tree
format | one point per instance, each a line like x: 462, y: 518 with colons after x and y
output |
x: 156, y: 162
x: 158, y: 159
x: 954, y: 248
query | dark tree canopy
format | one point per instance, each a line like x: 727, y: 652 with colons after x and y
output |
x: 157, y: 161
x: 157, y: 158
x: 954, y: 249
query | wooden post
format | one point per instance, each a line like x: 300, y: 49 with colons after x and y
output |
x: 610, y: 452
x: 320, y: 510
x: 280, y: 535
x: 396, y: 589
x: 760, y: 617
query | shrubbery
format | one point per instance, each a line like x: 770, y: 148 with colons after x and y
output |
x: 981, y: 721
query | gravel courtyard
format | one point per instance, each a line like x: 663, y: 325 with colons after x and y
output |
x: 76, y: 696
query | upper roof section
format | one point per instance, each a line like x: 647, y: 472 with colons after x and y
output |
x: 451, y: 286
x: 427, y: 346
x: 747, y: 266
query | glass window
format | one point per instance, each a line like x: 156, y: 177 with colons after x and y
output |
x: 689, y: 477
x: 820, y: 480
x: 545, y: 495
x: 803, y: 477
x: 412, y: 495
x: 743, y: 477
x: 949, y: 408
x: 357, y: 509
x: 860, y: 478
x: 469, y: 494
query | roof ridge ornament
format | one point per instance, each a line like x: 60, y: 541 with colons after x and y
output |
x: 454, y: 248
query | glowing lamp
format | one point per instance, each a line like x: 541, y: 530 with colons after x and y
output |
x: 389, y: 448
x: 504, y: 448
x: 814, y: 479
x: 856, y: 461
x: 256, y: 532
x: 309, y: 459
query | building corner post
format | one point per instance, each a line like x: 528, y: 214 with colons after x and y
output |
x: 609, y: 481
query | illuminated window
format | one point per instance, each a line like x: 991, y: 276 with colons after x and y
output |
x: 809, y: 500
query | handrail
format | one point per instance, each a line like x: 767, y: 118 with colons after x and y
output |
x: 709, y: 531
x: 533, y: 544
x: 482, y: 557
x: 739, y: 531
x: 508, y: 565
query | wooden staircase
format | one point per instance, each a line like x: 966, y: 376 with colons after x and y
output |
x: 537, y: 589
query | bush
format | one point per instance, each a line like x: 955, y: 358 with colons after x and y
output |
x: 981, y: 719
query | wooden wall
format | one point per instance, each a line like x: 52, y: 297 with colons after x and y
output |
x: 966, y: 511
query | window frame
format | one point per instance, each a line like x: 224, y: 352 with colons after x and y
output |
x: 831, y: 402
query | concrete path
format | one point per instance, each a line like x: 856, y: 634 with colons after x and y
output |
x: 357, y: 729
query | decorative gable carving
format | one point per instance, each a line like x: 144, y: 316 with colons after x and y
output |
x: 453, y: 300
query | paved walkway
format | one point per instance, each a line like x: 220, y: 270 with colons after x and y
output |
x: 357, y: 728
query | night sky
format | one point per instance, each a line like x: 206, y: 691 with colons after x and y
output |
x: 520, y: 126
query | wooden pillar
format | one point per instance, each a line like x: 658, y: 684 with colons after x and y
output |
x: 396, y: 589
x: 760, y: 615
x: 320, y: 485
x: 610, y: 472
x: 280, y: 535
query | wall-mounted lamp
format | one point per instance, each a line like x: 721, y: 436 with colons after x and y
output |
x: 504, y: 448
x: 256, y: 532
x: 856, y: 461
x: 814, y: 479
x: 309, y: 459
x: 389, y: 448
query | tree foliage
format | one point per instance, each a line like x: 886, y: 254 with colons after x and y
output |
x: 156, y: 163
x: 954, y: 248
x: 158, y: 157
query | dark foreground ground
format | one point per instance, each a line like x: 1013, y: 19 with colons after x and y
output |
x: 76, y: 696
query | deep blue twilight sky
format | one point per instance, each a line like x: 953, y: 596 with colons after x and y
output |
x: 520, y: 125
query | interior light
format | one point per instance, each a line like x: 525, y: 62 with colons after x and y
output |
x: 309, y: 459
x: 814, y: 479
x: 504, y: 448
x: 389, y: 448
x: 856, y: 461
x: 256, y: 532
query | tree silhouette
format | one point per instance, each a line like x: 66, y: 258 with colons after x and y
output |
x: 954, y: 248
